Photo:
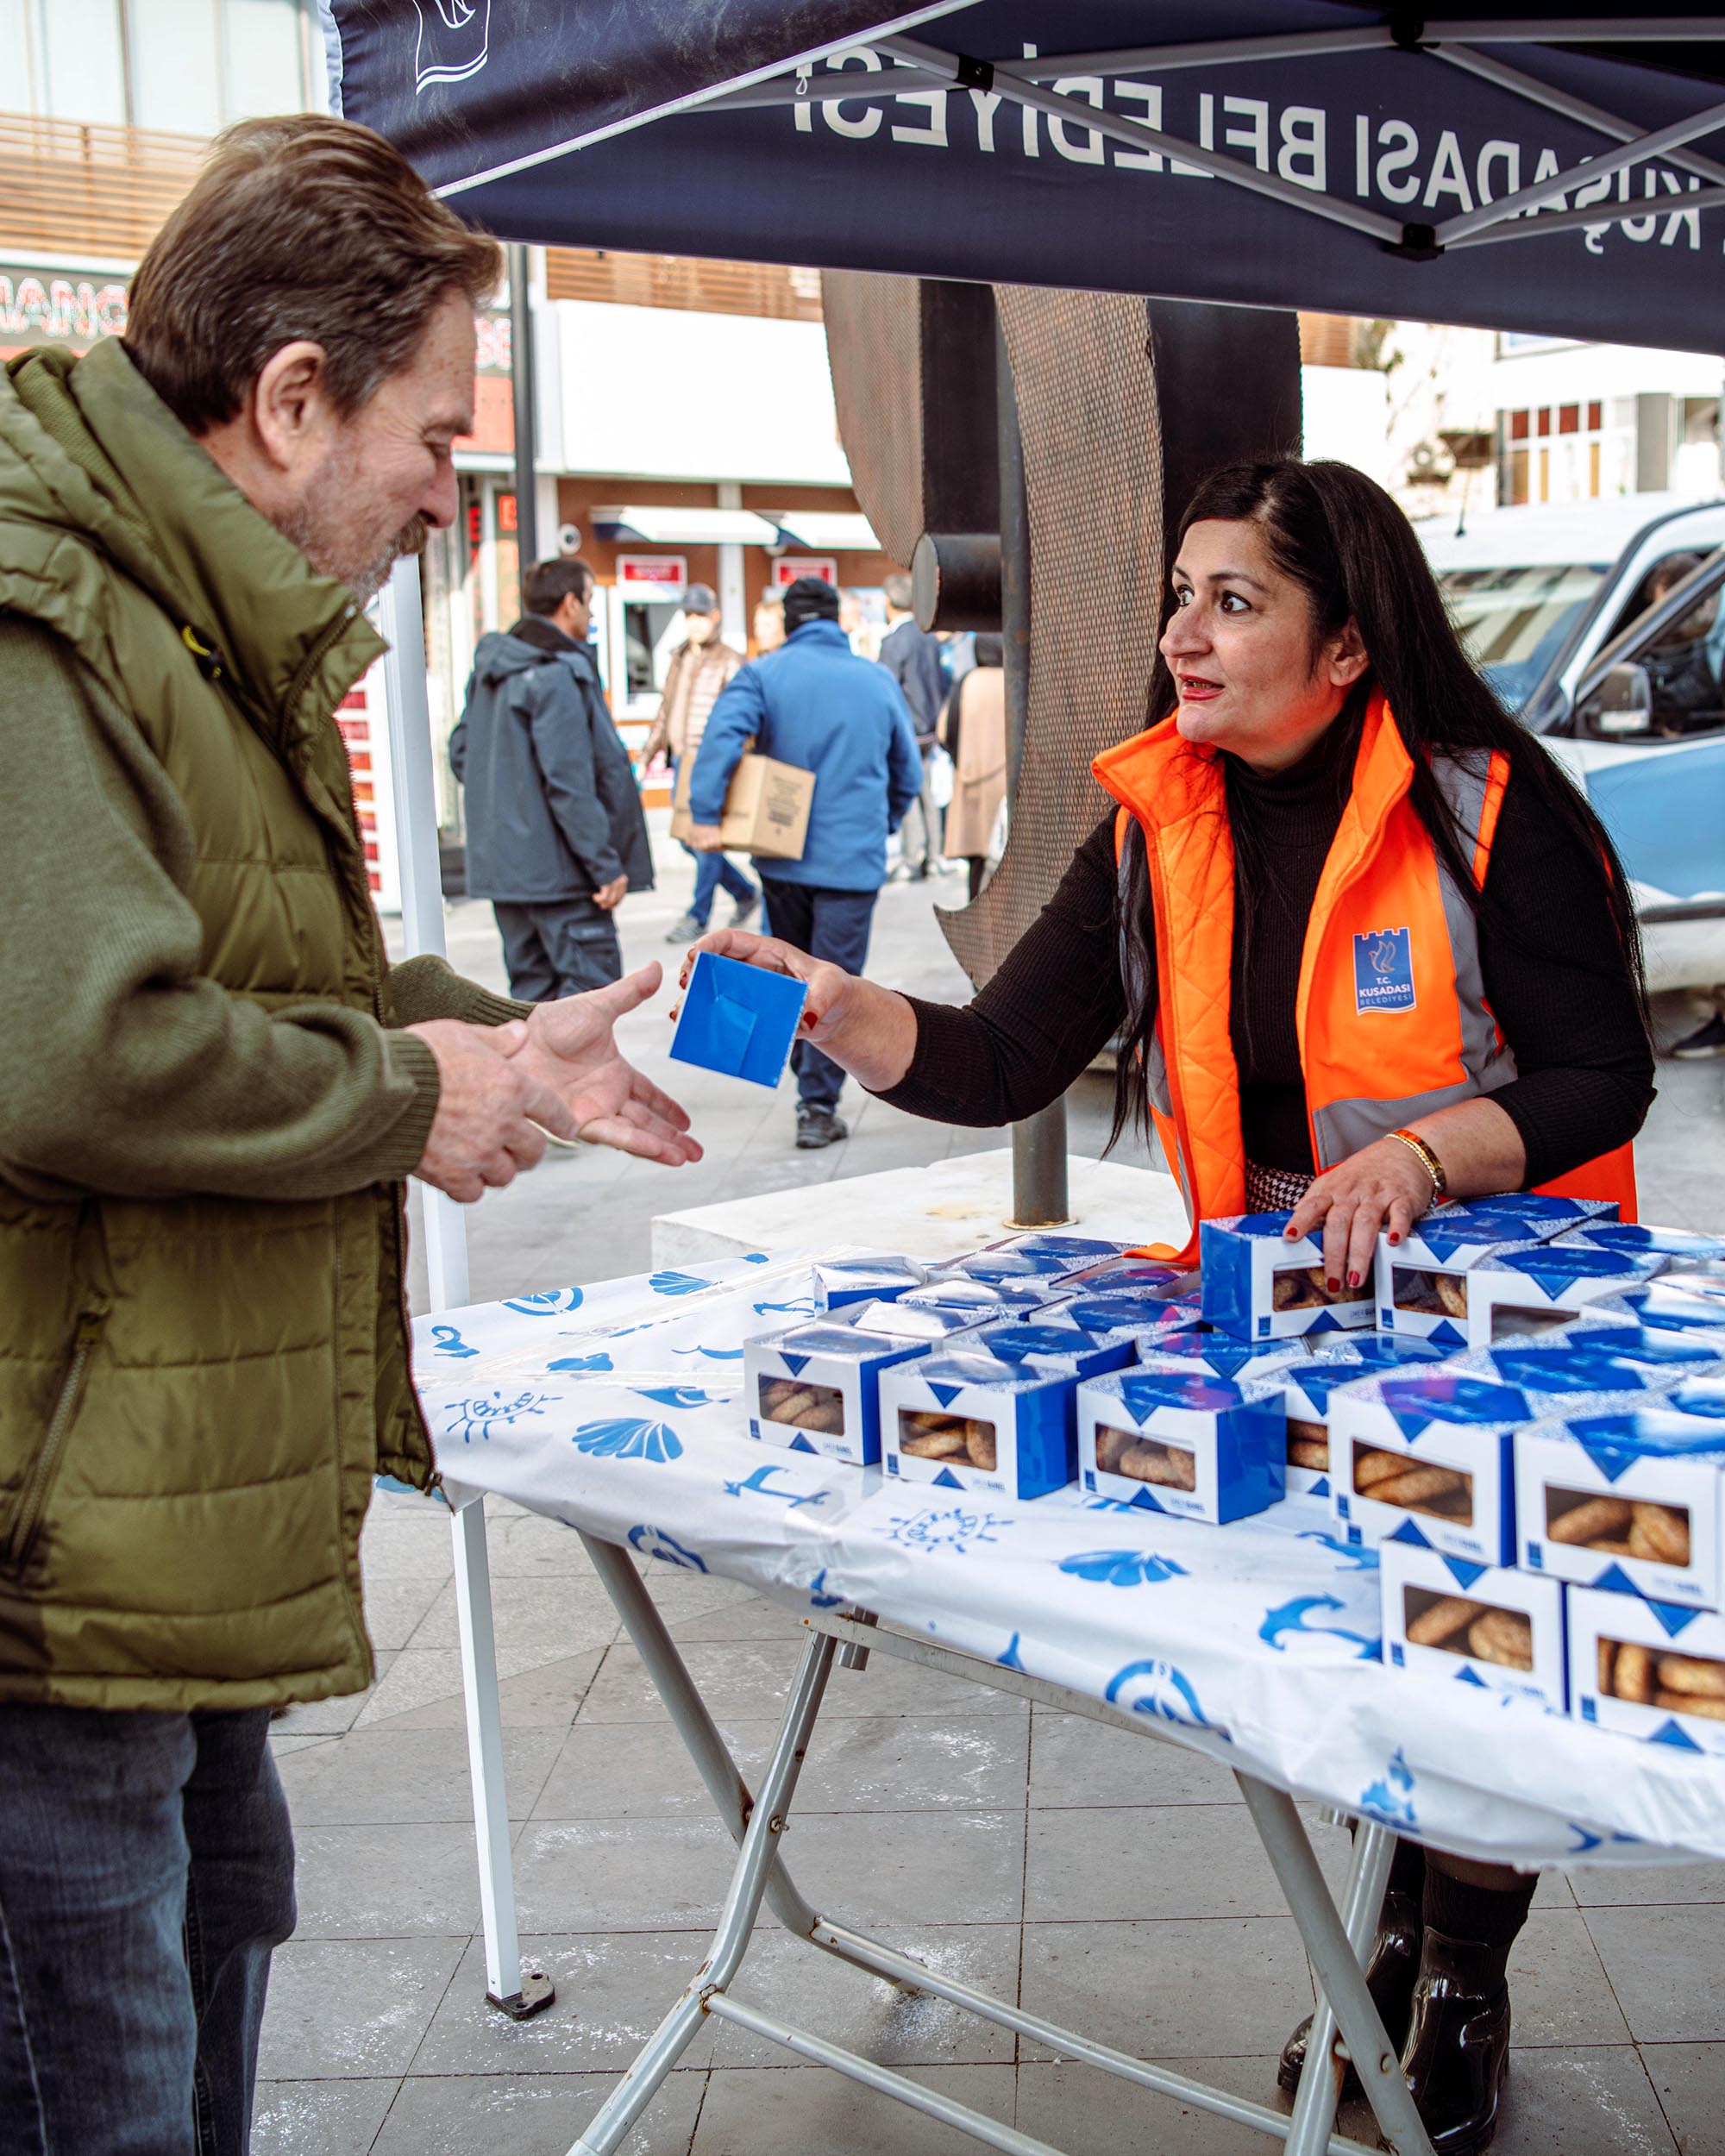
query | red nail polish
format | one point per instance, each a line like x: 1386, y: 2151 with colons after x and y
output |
x: 1394, y: 1236
x: 1334, y: 1286
x: 1353, y: 1280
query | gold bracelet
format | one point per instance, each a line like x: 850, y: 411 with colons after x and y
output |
x: 1433, y: 1165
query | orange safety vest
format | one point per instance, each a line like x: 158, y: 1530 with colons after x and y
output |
x: 1390, y: 1009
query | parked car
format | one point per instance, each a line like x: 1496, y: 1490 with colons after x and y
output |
x: 1564, y: 608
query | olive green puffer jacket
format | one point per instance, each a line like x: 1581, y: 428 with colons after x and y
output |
x: 205, y: 1106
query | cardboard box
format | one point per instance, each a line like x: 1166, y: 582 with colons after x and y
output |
x: 815, y: 1387
x: 996, y: 1411
x: 1220, y: 1355
x: 1258, y: 1286
x: 1529, y: 1288
x: 738, y: 1020
x: 841, y: 1282
x: 1017, y: 1265
x: 1420, y: 1286
x: 1138, y: 1275
x: 766, y: 808
x: 1426, y: 1457
x: 1647, y: 1669
x: 1180, y: 1442
x: 1629, y: 1501
x: 1474, y: 1624
x: 1304, y: 1389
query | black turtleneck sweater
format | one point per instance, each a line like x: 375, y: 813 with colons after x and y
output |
x: 1568, y: 1012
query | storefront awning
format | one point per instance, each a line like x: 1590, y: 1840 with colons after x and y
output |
x: 828, y: 531
x: 661, y: 526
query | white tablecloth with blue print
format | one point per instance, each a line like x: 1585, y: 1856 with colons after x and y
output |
x: 617, y: 1409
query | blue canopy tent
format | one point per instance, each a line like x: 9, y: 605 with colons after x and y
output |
x: 1549, y: 172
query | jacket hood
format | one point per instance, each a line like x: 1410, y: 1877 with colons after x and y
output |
x: 500, y: 653
x: 98, y: 477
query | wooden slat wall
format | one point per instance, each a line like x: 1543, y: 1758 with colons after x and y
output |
x: 70, y: 187
x: 684, y: 282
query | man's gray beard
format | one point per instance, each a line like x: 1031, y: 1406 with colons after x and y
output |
x: 313, y: 524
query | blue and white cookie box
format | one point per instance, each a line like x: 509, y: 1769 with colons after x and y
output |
x: 1200, y: 1449
x: 841, y: 1282
x: 1647, y: 1669
x: 1629, y: 1501
x: 987, y: 1300
x: 1677, y: 1302
x: 1220, y: 1355
x: 1512, y: 1638
x: 1126, y: 1314
x: 1679, y: 1246
x: 1529, y: 1287
x: 1076, y: 1249
x: 1138, y: 1276
x: 1305, y: 1388
x: 1244, y: 1257
x: 1010, y: 1265
x: 996, y: 1410
x: 815, y: 1389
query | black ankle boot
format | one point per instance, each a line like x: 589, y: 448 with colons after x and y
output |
x: 1458, y: 2047
x: 1389, y: 1975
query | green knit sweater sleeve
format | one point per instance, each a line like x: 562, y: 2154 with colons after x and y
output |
x: 430, y: 987
x: 123, y: 1069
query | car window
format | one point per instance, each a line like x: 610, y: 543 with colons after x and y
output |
x: 1513, y: 621
x: 1684, y: 665
x: 1670, y: 569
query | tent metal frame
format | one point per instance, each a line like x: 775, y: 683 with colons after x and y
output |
x: 921, y: 69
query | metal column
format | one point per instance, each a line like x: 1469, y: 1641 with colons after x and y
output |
x: 1039, y: 1193
x: 521, y: 396
x: 408, y: 715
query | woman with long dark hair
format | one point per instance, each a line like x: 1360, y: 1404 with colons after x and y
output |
x: 1366, y: 947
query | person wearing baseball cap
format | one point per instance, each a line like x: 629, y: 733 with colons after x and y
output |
x: 700, y: 665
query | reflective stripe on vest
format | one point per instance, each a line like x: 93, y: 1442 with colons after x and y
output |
x: 1390, y: 1009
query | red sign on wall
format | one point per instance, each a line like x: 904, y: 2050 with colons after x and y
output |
x: 789, y: 566
x: 652, y: 577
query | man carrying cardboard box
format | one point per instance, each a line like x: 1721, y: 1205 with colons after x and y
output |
x: 814, y: 703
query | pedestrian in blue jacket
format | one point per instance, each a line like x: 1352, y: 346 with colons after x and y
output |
x: 815, y: 703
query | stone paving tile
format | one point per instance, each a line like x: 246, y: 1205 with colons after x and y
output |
x: 1649, y: 1885
x: 330, y: 1717
x: 1587, y: 2102
x: 861, y: 1762
x: 757, y: 1619
x: 1172, y: 1988
x: 540, y: 1684
x: 557, y: 1617
x: 386, y: 1881
x: 408, y: 1777
x: 1075, y: 1761
x: 396, y: 1604
x: 1688, y: 2080
x: 352, y: 2009
x: 748, y: 1681
x: 1207, y: 1861
x: 1664, y: 1964
x: 1084, y: 2113
x: 319, y: 2118
x: 530, y: 2115
x: 621, y: 1875
x: 806, y: 2111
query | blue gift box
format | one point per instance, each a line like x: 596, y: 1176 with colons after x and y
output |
x: 1181, y: 1442
x: 1679, y: 1303
x: 994, y: 1410
x: 842, y: 1280
x: 1011, y: 1264
x: 1078, y: 1250
x: 815, y: 1388
x: 1479, y: 1624
x: 989, y: 1301
x: 1304, y: 1389
x: 1681, y: 1245
x: 1529, y: 1287
x: 1128, y: 1314
x: 740, y: 1020
x: 1259, y: 1287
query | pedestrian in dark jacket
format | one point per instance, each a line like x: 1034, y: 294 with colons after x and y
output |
x: 913, y: 655
x: 816, y: 704
x: 556, y: 835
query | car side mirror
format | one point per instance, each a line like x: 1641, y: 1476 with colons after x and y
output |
x: 1620, y: 703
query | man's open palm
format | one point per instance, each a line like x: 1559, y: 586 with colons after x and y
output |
x: 571, y: 1047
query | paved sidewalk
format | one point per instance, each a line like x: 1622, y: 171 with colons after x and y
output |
x: 1106, y: 1881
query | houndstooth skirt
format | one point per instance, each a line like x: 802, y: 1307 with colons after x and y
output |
x: 1274, y: 1189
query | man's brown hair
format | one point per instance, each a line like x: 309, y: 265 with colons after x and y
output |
x: 548, y: 584
x: 299, y: 227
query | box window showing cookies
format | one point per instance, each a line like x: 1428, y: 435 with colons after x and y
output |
x: 1647, y: 1669
x: 1424, y: 1457
x: 1421, y: 1284
x: 1532, y: 1286
x: 1304, y: 1389
x: 1258, y: 1286
x: 1181, y: 1442
x: 815, y: 1389
x: 979, y: 1421
x: 1480, y: 1625
x: 1628, y: 1500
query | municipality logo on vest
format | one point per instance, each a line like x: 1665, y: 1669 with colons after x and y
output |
x: 1383, y: 970
x: 454, y: 41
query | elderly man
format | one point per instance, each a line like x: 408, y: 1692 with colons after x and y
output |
x: 214, y: 1085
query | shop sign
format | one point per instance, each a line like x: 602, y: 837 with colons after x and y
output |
x: 789, y: 566
x: 41, y: 303
x: 652, y: 577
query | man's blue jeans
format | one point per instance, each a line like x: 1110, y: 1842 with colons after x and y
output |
x: 712, y: 870
x: 830, y: 924
x: 146, y: 1874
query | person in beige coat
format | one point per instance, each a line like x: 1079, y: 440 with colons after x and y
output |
x: 700, y: 666
x: 973, y: 732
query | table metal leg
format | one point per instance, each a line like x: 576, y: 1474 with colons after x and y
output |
x: 510, y: 1988
x: 755, y: 1867
x: 1341, y: 1978
x: 1314, y: 2104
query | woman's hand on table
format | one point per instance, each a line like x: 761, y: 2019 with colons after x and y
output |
x: 1384, y: 1186
x: 867, y: 1030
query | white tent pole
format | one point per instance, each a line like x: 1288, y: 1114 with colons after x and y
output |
x: 409, y: 710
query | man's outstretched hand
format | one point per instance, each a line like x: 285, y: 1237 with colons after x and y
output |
x: 569, y: 1048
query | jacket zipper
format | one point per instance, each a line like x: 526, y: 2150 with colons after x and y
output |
x: 32, y: 1499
